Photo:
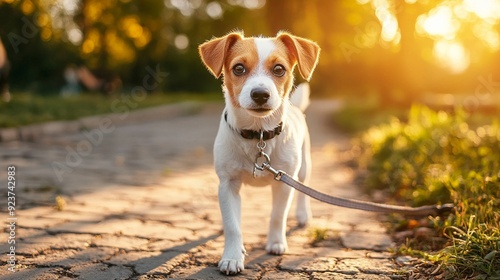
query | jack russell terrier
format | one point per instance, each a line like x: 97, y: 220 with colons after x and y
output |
x: 258, y: 80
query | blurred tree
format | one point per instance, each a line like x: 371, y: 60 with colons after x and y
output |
x: 36, y: 53
x: 397, y: 48
x: 385, y: 46
x: 444, y: 46
x: 120, y: 36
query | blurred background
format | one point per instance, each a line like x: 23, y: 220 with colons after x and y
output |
x: 393, y: 51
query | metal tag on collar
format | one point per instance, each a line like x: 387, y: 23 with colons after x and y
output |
x: 261, y: 145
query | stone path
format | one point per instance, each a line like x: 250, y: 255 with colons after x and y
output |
x: 139, y: 201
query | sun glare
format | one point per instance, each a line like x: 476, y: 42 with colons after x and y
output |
x: 451, y: 55
x: 444, y: 23
x: 488, y: 10
x: 385, y: 13
x: 438, y: 23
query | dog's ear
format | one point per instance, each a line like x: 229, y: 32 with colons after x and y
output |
x: 306, y: 52
x: 213, y: 52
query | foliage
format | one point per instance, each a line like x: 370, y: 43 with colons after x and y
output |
x: 355, y: 117
x: 436, y: 157
x: 474, y: 251
x: 319, y: 235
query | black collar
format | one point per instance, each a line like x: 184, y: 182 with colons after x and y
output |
x: 252, y: 134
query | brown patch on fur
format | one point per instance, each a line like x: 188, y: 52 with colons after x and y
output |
x: 305, y: 51
x: 214, y: 52
x: 243, y: 52
x: 281, y: 56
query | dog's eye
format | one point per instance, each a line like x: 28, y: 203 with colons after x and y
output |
x: 279, y: 70
x: 239, y: 69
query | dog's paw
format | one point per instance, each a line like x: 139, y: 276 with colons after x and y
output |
x: 276, y: 248
x: 230, y: 266
x: 303, y: 217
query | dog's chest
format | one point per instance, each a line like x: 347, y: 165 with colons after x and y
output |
x: 282, y: 155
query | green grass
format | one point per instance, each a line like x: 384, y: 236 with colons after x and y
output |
x: 28, y: 108
x: 439, y: 157
x: 357, y: 116
x: 318, y: 235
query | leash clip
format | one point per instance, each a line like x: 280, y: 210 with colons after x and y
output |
x: 261, y: 166
x: 261, y: 145
x: 277, y: 173
x: 266, y: 163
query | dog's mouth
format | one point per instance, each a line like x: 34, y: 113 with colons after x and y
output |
x: 261, y: 110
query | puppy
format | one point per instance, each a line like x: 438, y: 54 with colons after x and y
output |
x: 258, y: 79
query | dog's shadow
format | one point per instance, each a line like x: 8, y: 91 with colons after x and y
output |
x: 152, y: 265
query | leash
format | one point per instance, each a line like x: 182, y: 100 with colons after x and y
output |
x: 280, y: 175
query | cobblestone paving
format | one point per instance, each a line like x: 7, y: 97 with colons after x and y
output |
x: 138, y: 200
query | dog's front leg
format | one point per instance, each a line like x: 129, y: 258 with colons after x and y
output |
x: 233, y: 258
x: 276, y: 239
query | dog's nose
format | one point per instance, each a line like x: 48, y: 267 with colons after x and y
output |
x: 260, y: 95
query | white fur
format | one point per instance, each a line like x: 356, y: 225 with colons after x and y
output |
x: 300, y: 96
x: 234, y: 156
x: 264, y: 47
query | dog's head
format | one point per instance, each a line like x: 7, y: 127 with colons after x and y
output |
x: 258, y: 72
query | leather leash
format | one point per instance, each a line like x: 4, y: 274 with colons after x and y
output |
x: 280, y: 175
